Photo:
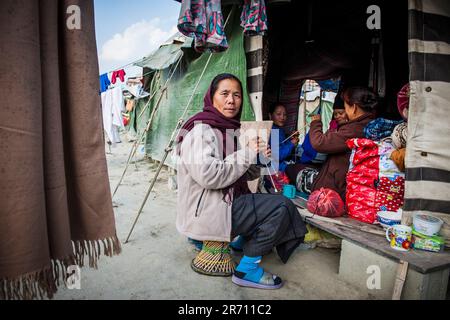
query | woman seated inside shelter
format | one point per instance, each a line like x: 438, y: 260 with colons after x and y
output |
x: 285, y: 147
x: 214, y: 202
x: 360, y: 104
x: 305, y: 152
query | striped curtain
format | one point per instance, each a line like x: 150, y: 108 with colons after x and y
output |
x: 428, y: 148
x: 254, y: 46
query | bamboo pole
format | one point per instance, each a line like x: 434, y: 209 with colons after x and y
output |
x: 172, y: 140
x: 138, y: 141
x: 148, y: 127
x: 293, y: 134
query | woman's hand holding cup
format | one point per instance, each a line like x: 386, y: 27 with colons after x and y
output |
x: 259, y: 146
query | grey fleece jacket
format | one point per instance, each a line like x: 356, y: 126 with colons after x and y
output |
x: 202, y: 214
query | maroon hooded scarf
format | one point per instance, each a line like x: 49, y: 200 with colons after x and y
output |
x: 214, y: 118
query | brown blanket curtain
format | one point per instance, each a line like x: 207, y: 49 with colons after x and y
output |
x: 55, y: 200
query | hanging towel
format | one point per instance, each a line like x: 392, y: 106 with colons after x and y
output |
x: 118, y: 74
x: 377, y: 73
x: 130, y: 105
x: 112, y: 107
x: 104, y: 82
x: 254, y: 17
x: 203, y: 21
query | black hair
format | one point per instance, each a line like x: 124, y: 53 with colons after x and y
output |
x: 219, y: 78
x: 274, y: 106
x: 338, y: 103
x: 361, y: 96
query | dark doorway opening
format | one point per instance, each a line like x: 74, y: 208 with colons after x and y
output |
x: 324, y: 39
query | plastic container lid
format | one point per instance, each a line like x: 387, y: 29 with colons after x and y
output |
x: 427, y: 218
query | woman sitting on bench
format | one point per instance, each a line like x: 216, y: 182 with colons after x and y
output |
x: 360, y: 105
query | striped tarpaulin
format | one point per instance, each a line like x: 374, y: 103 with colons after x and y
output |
x: 428, y: 148
x: 255, y: 75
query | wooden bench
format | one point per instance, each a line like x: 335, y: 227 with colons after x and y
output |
x: 369, y: 263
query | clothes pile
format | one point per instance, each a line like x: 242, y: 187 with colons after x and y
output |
x: 376, y: 179
x: 374, y: 182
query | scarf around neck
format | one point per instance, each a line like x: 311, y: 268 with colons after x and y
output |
x: 216, y: 120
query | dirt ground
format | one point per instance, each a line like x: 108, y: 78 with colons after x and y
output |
x: 155, y: 264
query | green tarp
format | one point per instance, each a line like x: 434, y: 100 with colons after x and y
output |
x: 182, y: 86
x: 166, y: 55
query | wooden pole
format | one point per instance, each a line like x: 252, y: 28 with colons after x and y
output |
x: 172, y: 139
x: 138, y: 141
x: 400, y: 278
x: 149, y: 123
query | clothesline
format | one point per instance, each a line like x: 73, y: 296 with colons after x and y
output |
x: 123, y: 67
x: 253, y: 20
x: 146, y: 74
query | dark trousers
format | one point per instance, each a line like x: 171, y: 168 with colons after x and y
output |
x: 266, y: 221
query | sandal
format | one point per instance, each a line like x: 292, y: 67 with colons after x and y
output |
x: 268, y: 281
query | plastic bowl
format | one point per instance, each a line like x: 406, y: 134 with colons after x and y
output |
x: 427, y: 224
x: 389, y: 218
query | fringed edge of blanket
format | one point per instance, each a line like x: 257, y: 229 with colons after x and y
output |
x: 92, y: 249
x: 45, y: 282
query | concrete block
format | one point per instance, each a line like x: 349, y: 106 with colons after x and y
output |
x: 375, y: 275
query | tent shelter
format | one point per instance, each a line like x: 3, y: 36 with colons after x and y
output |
x: 332, y: 39
x: 186, y: 76
x: 323, y: 39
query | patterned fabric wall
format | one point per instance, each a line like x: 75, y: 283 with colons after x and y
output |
x: 428, y: 147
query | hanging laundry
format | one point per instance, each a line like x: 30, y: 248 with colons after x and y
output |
x: 137, y: 90
x: 254, y: 17
x: 203, y: 21
x: 112, y: 107
x: 104, y: 82
x: 377, y: 73
x: 130, y: 105
x: 118, y: 74
x: 126, y: 118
